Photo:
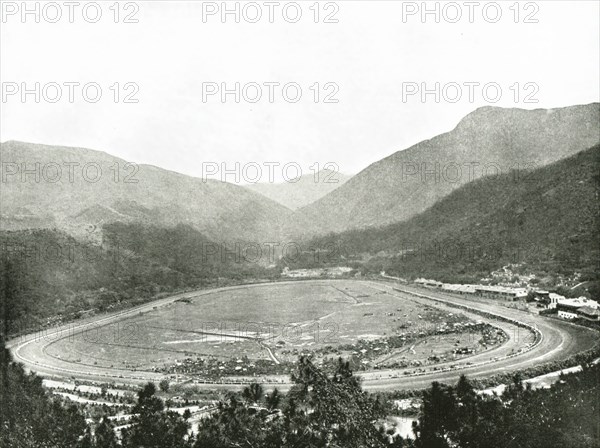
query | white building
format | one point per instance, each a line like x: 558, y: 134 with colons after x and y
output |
x: 501, y: 292
x: 570, y: 308
x: 459, y: 289
x: 567, y: 315
x: 554, y: 299
x: 428, y: 283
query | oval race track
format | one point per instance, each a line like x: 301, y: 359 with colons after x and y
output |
x: 558, y: 340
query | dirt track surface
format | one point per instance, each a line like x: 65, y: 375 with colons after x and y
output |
x: 559, y: 340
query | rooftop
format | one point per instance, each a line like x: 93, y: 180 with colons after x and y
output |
x: 588, y: 310
x: 579, y: 301
x: 503, y: 289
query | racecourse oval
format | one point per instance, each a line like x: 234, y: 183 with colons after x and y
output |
x: 177, y: 327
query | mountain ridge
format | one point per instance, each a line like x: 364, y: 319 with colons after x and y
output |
x: 488, y: 136
x: 221, y: 210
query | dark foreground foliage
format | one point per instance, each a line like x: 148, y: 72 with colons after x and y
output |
x: 319, y: 411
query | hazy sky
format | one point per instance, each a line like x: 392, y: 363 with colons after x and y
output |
x: 173, y: 51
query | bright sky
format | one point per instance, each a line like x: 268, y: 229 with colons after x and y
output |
x: 367, y: 56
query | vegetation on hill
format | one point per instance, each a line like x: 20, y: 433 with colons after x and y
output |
x: 62, y: 278
x: 548, y: 218
x: 29, y: 418
x: 184, y: 251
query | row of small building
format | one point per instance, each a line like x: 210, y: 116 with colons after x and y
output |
x: 566, y: 308
x: 493, y: 292
x: 336, y: 271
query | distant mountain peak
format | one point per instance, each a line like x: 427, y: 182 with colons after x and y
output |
x: 306, y: 190
x: 485, y: 112
x: 411, y: 180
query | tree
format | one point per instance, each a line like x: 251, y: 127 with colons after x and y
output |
x: 273, y: 399
x: 152, y: 426
x: 438, y: 419
x: 105, y: 435
x: 564, y: 416
x: 10, y: 295
x: 467, y: 412
x: 164, y: 385
x: 87, y: 441
x: 28, y: 417
x: 253, y: 393
x: 7, y: 293
x: 334, y: 410
x: 236, y: 424
x: 318, y: 412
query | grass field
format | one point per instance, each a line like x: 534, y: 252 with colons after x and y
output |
x: 273, y: 325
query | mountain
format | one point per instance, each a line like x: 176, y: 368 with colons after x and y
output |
x: 487, y: 141
x: 303, y: 190
x: 78, y: 190
x: 548, y: 217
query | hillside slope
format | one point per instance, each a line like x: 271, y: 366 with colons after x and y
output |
x: 63, y: 277
x: 489, y: 140
x: 548, y: 217
x: 77, y: 190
